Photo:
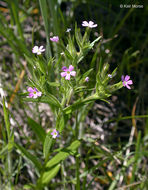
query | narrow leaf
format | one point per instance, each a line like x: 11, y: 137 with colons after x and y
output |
x: 27, y: 154
x: 38, y: 129
x: 47, y: 145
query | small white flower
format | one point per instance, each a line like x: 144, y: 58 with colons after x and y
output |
x: 89, y: 24
x: 68, y: 30
x: 38, y: 50
x: 107, y: 51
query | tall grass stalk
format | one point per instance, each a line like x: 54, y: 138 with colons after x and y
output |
x: 44, y: 12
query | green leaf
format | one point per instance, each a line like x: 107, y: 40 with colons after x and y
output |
x: 38, y: 129
x: 47, y: 145
x: 52, y: 167
x: 50, y: 99
x: 27, y: 154
x: 63, y: 154
x: 55, y: 84
x: 7, y: 148
x: 86, y: 74
x: 48, y: 175
x: 29, y: 186
x: 96, y: 40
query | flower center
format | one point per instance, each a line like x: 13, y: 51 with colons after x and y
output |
x: 34, y: 92
x: 55, y: 133
x: 68, y: 72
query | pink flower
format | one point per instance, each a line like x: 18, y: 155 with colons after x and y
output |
x: 67, y: 72
x: 55, y: 134
x: 89, y: 24
x: 38, y: 50
x: 86, y: 79
x: 54, y: 39
x: 126, y: 81
x: 33, y: 92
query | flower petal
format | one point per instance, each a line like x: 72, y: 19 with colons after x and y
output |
x: 91, y: 22
x: 122, y: 78
x: 73, y: 73
x: 64, y: 68
x: 35, y: 89
x: 128, y: 86
x: 41, y: 49
x: 124, y: 84
x: 130, y: 82
x: 35, y: 49
x: 35, y: 95
x: 63, y: 74
x: 127, y: 78
x: 94, y: 26
x: 30, y: 89
x: 85, y: 23
x: 71, y: 68
x: 31, y: 94
x: 39, y: 94
x: 67, y: 77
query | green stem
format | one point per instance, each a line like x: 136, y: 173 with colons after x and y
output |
x: 63, y: 176
x: 77, y: 174
x: 77, y: 158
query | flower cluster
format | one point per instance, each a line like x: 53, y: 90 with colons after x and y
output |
x: 67, y: 72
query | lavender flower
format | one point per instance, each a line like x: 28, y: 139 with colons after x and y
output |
x: 68, y: 72
x: 54, y: 39
x: 86, y: 79
x: 109, y: 75
x: 33, y: 92
x: 126, y: 81
x: 55, y: 134
x: 89, y: 24
x: 38, y: 50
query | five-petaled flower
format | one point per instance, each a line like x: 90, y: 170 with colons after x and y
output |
x: 33, y: 92
x: 126, y: 82
x: 55, y: 134
x: 38, y: 50
x: 68, y: 72
x: 86, y: 79
x: 89, y: 24
x: 54, y: 39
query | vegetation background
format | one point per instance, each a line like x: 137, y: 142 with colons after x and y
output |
x: 115, y: 150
